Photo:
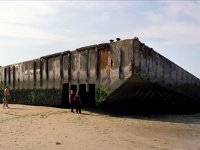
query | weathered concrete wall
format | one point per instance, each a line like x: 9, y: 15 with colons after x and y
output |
x: 66, y: 68
x: 157, y: 69
x: 108, y: 69
x: 120, y: 61
x: 140, y: 77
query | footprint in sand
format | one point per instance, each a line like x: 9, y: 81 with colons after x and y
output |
x: 43, y: 116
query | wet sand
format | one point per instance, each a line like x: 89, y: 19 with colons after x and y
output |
x: 25, y: 127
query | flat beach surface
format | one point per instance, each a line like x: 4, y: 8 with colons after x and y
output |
x: 24, y: 127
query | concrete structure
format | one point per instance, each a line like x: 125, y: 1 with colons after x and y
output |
x: 125, y: 75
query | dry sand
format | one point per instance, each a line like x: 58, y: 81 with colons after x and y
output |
x: 39, y: 128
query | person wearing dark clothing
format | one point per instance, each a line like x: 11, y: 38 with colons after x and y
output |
x: 71, y: 100
x: 77, y: 102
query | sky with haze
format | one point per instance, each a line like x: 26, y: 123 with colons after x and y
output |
x: 31, y: 29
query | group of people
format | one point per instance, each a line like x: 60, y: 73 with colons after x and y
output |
x: 6, y: 96
x: 75, y: 101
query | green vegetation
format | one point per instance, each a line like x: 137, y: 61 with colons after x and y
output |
x: 46, y: 97
x: 36, y: 96
x: 101, y: 94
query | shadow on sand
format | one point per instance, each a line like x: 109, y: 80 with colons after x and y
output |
x: 186, y: 118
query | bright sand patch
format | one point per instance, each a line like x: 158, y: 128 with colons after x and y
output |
x: 34, y: 127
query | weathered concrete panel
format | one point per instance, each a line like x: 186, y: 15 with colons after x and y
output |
x: 104, y: 68
x: 91, y: 68
x: 56, y: 69
x: 74, y: 66
x: 37, y: 81
x: 167, y: 73
x: 120, y: 62
x: 21, y: 79
x: 25, y: 75
x: 31, y: 75
x: 45, y: 73
x: 65, y: 68
x: 10, y: 83
x: 51, y: 72
x: 83, y: 66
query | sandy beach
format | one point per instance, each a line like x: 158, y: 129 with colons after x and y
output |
x: 24, y: 127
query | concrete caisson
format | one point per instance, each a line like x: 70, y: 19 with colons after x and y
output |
x: 125, y: 75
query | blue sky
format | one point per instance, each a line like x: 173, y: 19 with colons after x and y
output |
x: 31, y: 29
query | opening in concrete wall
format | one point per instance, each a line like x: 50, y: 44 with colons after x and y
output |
x: 87, y: 96
x: 74, y: 88
x: 65, y: 96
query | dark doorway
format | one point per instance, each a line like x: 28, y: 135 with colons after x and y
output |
x: 74, y: 88
x: 87, y: 98
x: 65, y: 96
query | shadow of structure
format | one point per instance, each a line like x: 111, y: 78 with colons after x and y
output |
x: 187, y: 118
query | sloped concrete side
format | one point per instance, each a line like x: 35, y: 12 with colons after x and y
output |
x: 143, y: 80
x: 141, y: 96
x: 155, y: 68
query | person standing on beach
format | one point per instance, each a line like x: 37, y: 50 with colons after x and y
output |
x: 6, y: 95
x: 71, y: 100
x: 77, y: 102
